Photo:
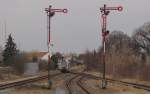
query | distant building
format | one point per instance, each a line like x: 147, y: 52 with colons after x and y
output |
x: 44, y: 57
x: 39, y: 55
x: 32, y: 67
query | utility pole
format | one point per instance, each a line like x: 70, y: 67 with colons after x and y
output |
x: 5, y: 31
x: 104, y: 13
x: 50, y: 13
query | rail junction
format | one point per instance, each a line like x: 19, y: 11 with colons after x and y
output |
x: 77, y: 79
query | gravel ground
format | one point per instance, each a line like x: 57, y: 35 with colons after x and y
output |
x: 41, y: 86
x: 59, y: 82
x: 112, y: 88
x: 93, y: 86
x: 59, y: 87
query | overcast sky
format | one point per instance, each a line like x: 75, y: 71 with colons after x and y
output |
x: 73, y: 32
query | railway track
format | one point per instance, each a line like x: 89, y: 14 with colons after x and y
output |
x: 24, y: 81
x: 135, y: 85
x: 68, y: 84
x: 78, y: 77
x: 81, y: 85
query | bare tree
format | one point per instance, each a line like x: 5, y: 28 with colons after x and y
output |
x: 120, y: 58
x: 116, y: 41
x: 92, y: 60
x: 142, y: 38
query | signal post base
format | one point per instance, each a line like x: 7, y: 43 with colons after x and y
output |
x: 103, y: 84
x: 49, y: 84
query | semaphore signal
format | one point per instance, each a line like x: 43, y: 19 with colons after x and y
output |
x: 50, y: 13
x: 105, y: 12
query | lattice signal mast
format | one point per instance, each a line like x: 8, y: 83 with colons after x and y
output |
x: 50, y: 13
x: 104, y: 13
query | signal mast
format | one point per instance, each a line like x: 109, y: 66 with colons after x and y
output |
x: 104, y: 13
x: 50, y: 13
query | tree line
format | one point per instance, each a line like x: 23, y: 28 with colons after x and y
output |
x: 12, y: 57
x: 126, y: 56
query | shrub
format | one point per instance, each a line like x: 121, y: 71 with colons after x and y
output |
x: 19, y: 62
x: 43, y: 65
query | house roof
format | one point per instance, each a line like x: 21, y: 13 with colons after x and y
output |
x: 37, y: 54
x: 41, y: 54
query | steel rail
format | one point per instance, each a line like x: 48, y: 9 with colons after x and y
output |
x: 136, y: 85
x: 68, y: 84
x: 23, y: 82
x: 78, y: 82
